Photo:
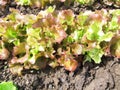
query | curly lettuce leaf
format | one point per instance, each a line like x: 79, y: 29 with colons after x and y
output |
x: 66, y: 16
x: 95, y: 54
x: 7, y: 86
x: 68, y: 62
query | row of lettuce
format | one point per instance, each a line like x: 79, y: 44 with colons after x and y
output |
x: 58, y: 38
x: 43, y: 3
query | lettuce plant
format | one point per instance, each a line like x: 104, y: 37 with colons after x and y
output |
x: 115, y: 3
x: 58, y: 38
x: 7, y: 86
x: 43, y: 3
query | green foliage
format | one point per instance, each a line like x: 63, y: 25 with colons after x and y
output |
x: 7, y: 86
x: 95, y: 54
x: 57, y: 38
x: 83, y: 2
x: 43, y: 3
x: 24, y: 2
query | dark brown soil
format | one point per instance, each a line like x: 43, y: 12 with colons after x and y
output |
x: 90, y: 76
x: 105, y: 76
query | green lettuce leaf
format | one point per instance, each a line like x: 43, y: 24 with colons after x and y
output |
x: 7, y: 86
x: 95, y: 54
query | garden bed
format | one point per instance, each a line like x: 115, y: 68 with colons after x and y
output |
x: 87, y: 76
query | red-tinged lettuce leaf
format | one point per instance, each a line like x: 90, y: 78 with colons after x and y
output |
x: 60, y: 34
x: 21, y: 59
x: 51, y: 20
x: 16, y: 68
x: 115, y: 46
x: 99, y: 16
x: 53, y: 63
x: 66, y: 16
x: 96, y: 16
x: 19, y: 49
x: 77, y: 49
x: 46, y: 19
x: 4, y: 54
x: 51, y: 27
x: 69, y: 63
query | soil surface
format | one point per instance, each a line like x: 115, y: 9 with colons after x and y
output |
x: 90, y: 76
x: 105, y: 76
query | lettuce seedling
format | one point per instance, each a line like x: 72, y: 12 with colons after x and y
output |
x: 7, y: 86
x: 4, y: 53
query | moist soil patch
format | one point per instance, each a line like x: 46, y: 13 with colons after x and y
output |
x: 90, y: 76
